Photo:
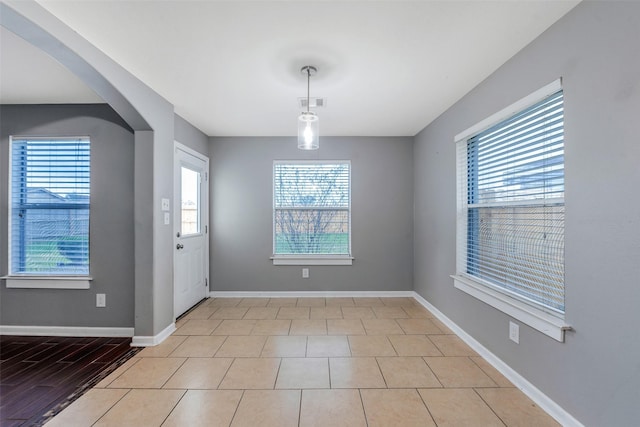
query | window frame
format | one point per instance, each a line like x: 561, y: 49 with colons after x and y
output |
x: 550, y: 323
x: 48, y: 280
x: 310, y: 259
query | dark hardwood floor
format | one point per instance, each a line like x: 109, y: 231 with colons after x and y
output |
x: 39, y: 376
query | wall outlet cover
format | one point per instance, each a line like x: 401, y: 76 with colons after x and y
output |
x: 514, y: 332
x: 101, y: 300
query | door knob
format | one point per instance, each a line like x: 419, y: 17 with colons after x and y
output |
x: 179, y: 246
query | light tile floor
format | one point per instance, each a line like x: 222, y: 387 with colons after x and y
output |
x: 306, y: 362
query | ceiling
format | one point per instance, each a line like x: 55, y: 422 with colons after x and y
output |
x: 232, y: 68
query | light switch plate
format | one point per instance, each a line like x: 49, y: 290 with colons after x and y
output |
x: 167, y: 218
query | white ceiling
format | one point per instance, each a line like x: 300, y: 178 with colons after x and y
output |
x: 232, y: 68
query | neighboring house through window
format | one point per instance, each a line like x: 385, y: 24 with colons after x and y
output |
x: 49, y: 207
x: 510, y: 235
x: 312, y: 212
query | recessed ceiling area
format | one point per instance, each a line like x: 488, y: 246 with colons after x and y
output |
x: 232, y: 68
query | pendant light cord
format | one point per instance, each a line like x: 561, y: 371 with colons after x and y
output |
x: 308, y: 86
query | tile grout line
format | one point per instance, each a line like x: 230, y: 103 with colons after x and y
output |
x: 435, y: 346
x: 225, y: 374
x: 495, y: 384
x: 174, y: 372
x: 381, y: 373
x: 426, y: 406
x: 237, y: 406
x: 184, y: 393
x: 487, y: 373
x: 391, y: 344
x: 431, y: 370
x: 364, y: 411
x: 489, y: 406
x: 275, y: 380
x: 226, y: 337
x: 137, y: 360
x: 300, y: 408
x: 111, y: 407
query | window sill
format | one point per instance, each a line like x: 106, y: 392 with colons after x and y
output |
x: 546, y: 323
x: 48, y: 282
x: 312, y: 260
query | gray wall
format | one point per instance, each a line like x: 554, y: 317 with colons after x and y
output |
x: 189, y: 135
x: 152, y: 119
x: 595, y: 374
x: 111, y: 225
x: 242, y: 212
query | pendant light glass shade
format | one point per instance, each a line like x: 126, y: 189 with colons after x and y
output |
x: 308, y: 122
x: 308, y: 131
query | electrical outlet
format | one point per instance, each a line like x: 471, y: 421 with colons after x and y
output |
x: 101, y: 300
x: 165, y: 204
x: 514, y: 332
x: 305, y: 273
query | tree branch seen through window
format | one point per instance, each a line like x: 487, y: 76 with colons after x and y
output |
x: 312, y: 208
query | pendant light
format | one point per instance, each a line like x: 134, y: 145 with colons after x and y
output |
x: 308, y: 123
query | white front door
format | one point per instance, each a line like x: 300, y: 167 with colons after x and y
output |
x: 191, y: 223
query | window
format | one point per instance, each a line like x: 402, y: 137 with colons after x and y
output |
x: 49, y: 207
x: 511, y: 209
x: 311, y: 213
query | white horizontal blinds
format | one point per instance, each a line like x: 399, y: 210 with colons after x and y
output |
x: 311, y: 208
x: 50, y: 192
x: 521, y: 158
x: 515, y: 204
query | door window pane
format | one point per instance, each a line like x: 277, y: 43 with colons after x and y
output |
x: 190, y: 203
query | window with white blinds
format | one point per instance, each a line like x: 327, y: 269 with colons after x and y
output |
x: 49, y: 206
x: 511, y: 205
x: 311, y: 209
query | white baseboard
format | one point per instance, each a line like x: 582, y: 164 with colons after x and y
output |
x: 65, y: 331
x: 541, y: 399
x: 309, y: 294
x: 150, y: 341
